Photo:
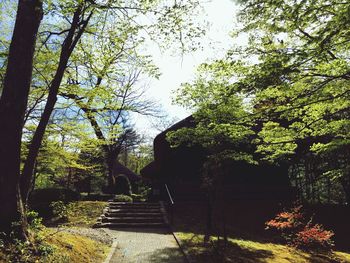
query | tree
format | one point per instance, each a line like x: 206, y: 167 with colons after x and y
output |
x: 222, y: 131
x: 294, y: 78
x: 13, y: 104
x: 164, y: 18
x: 138, y: 157
x: 107, y: 97
x: 301, y: 81
x: 67, y: 22
x: 59, y: 163
x: 77, y: 27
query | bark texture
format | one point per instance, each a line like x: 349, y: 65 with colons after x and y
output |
x: 13, y: 103
x: 76, y: 30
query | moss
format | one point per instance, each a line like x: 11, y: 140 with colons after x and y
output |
x: 74, y: 248
x: 251, y: 252
x: 56, y: 247
x: 85, y: 213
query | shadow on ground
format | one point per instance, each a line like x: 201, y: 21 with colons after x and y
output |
x: 169, y: 255
x: 201, y: 252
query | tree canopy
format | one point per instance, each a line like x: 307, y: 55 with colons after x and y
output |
x: 289, y: 86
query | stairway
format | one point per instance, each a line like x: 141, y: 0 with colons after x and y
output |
x: 120, y: 214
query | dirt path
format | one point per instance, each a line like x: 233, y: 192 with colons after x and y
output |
x: 144, y: 245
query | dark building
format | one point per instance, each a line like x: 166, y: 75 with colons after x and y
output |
x: 181, y: 169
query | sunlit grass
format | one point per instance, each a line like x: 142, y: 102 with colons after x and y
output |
x: 239, y: 250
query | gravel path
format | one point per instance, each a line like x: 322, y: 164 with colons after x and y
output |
x: 145, y: 245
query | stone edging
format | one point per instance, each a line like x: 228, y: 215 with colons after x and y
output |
x: 111, y: 252
x: 179, y: 243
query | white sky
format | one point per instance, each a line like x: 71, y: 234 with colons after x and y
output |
x: 177, y: 70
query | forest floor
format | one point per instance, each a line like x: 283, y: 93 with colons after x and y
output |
x: 76, y: 241
x: 248, y: 251
x: 72, y: 240
x: 244, y: 245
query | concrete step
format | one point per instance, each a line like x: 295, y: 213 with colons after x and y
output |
x: 133, y: 204
x: 130, y: 210
x: 120, y: 214
x: 130, y: 225
x: 132, y: 219
x: 131, y: 214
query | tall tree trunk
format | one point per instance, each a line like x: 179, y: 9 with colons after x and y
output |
x: 68, y: 46
x: 13, y: 103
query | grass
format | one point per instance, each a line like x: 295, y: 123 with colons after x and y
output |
x: 247, y: 251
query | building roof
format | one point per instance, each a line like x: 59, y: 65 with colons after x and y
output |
x: 121, y: 169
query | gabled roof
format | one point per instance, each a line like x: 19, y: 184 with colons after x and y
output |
x: 121, y: 169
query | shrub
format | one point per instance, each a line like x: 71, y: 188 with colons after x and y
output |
x: 96, y: 197
x: 49, y: 195
x: 138, y: 198
x: 287, y: 220
x: 41, y: 199
x: 314, y: 236
x: 16, y: 250
x: 301, y: 233
x: 59, y: 210
x: 123, y: 198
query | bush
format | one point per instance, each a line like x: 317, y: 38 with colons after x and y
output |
x: 314, y: 237
x: 96, y: 197
x: 49, y: 195
x: 301, y: 233
x: 138, y: 198
x: 59, y: 210
x: 16, y: 250
x: 123, y: 198
x: 41, y: 199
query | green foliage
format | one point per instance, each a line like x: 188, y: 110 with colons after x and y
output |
x: 286, y: 92
x: 51, y: 202
x: 136, y: 158
x: 17, y: 250
x: 123, y: 198
x: 59, y: 210
x: 301, y: 77
x: 84, y: 213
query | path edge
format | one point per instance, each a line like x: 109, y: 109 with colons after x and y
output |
x: 111, y: 252
x: 179, y: 243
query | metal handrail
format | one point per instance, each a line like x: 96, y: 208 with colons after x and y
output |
x: 171, y: 208
x: 169, y: 195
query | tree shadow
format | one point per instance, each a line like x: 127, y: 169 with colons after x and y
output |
x: 169, y: 255
x: 232, y: 252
